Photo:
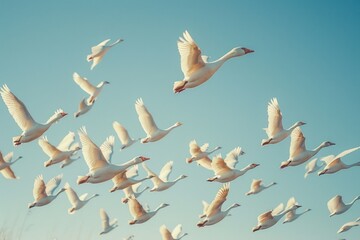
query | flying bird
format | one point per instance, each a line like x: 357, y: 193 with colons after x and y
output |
x: 195, y: 67
x: 90, y: 89
x: 133, y: 190
x: 349, y: 225
x: 312, y: 167
x: 257, y: 186
x: 200, y: 154
x: 174, y: 235
x: 5, y: 165
x: 107, y: 226
x: 292, y: 215
x: 17, y: 109
x: 336, y: 205
x: 123, y: 135
x: 76, y: 201
x: 84, y: 107
x: 99, y: 51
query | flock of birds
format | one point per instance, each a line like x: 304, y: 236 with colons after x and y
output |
x: 197, y: 70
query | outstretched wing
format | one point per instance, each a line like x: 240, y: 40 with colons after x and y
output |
x: 53, y: 184
x: 218, y: 165
x: 84, y: 84
x: 39, y: 188
x: 274, y: 118
x: 146, y: 120
x: 104, y: 218
x: 297, y: 144
x: 220, y: 198
x: 65, y: 143
x: 121, y: 132
x: 107, y: 148
x: 165, y: 171
x: 47, y: 147
x: 231, y: 158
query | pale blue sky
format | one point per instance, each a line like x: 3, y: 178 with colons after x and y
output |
x: 306, y: 55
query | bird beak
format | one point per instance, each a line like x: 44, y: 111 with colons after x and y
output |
x: 247, y: 50
x: 64, y: 114
x: 144, y: 158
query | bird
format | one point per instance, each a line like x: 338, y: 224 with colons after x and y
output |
x: 131, y: 237
x: 84, y: 107
x: 270, y: 218
x: 312, y: 167
x: 123, y: 135
x: 148, y: 124
x: 174, y: 235
x: 336, y: 205
x: 44, y: 194
x: 107, y: 226
x: 298, y: 152
x: 62, y: 153
x: 224, y: 169
x: 76, y: 201
x: 334, y: 164
x: 257, y: 187
x: 126, y: 179
x: 349, y: 225
x: 161, y: 181
x: 200, y: 154
x: 5, y: 165
x: 98, y: 51
x: 100, y: 170
x: 90, y: 89
x: 140, y: 215
x: 292, y: 215
x: 275, y: 131
x: 17, y: 109
x: 133, y: 190
x: 195, y: 67
x: 212, y: 212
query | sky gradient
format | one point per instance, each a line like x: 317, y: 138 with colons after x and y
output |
x: 306, y: 55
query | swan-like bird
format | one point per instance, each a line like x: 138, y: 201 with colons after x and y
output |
x: 123, y: 135
x: 161, y: 182
x: 76, y: 201
x: 90, y: 89
x: 334, y: 163
x: 298, y: 152
x: 44, y: 194
x: 200, y: 154
x: 212, y: 212
x: 292, y: 215
x: 107, y: 226
x: 17, y: 109
x: 62, y: 153
x: 275, y: 131
x: 336, y: 205
x: 97, y: 160
x: 174, y: 235
x: 133, y: 190
x: 312, y: 167
x: 195, y: 67
x: 5, y: 165
x: 84, y: 107
x: 99, y: 51
x: 257, y: 186
x: 349, y: 225
x: 148, y: 124
x: 126, y: 179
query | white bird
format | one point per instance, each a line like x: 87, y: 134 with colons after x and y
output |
x: 174, y: 235
x: 148, y: 124
x: 84, y: 107
x: 131, y: 237
x: 17, y: 109
x: 195, y: 67
x: 212, y: 212
x: 62, y: 153
x: 133, y: 190
x: 200, y: 154
x: 312, y: 167
x: 161, y: 182
x: 98, y: 51
x: 292, y: 215
x: 275, y: 131
x: 107, y: 226
x: 126, y: 179
x: 257, y: 186
x: 224, y: 169
x: 97, y: 160
x: 336, y: 205
x: 334, y: 164
x: 298, y: 152
x: 90, y: 89
x: 123, y: 135
x: 349, y: 225
x: 270, y: 218
x: 5, y: 165
x: 140, y: 215
x: 76, y: 201
x: 44, y: 194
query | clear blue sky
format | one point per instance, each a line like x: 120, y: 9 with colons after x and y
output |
x: 306, y: 55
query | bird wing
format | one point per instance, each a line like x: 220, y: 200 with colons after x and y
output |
x: 194, y: 148
x: 256, y: 183
x: 84, y: 84
x: 39, y: 188
x: 145, y: 117
x: 190, y: 54
x: 220, y: 198
x: 328, y: 159
x: 65, y: 143
x: 47, y: 147
x: 165, y: 171
x: 17, y: 109
x: 290, y: 215
x: 8, y: 173
x: 135, y: 208
x: 291, y: 202
x: 231, y: 158
x: 165, y: 233
x: 335, y: 162
x: 176, y: 231
x: 92, y: 154
x: 52, y: 184
x: 274, y: 118
x: 98, y: 48
x: 311, y: 165
x: 7, y: 157
x: 121, y: 132
x: 297, y: 144
x: 204, y: 147
x: 205, y: 206
x: 104, y: 218
x: 107, y: 148
x: 83, y: 196
x: 156, y: 180
x: 346, y: 152
x: 119, y: 178
x: 277, y: 210
x: 136, y: 186
x: 133, y: 171
x: 218, y: 165
x: 335, y: 203
x: 265, y: 217
x: 71, y: 194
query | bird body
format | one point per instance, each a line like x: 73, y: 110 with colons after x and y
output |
x: 107, y: 226
x: 123, y: 135
x: 200, y: 154
x: 84, y: 107
x: 257, y: 187
x: 5, y: 165
x: 99, y: 51
x: 139, y: 214
x: 336, y: 205
x: 292, y: 215
x: 76, y: 201
x: 132, y: 190
x: 90, y: 89
x: 126, y: 179
x: 349, y: 225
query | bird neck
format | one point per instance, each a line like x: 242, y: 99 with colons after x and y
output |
x: 182, y: 236
x: 215, y: 149
x: 226, y: 57
x: 61, y: 190
x: 144, y: 190
x: 307, y: 210
x: 177, y: 179
x: 228, y: 209
x: 316, y: 150
x: 245, y: 169
x: 95, y: 195
x: 128, y: 163
x: 271, y: 184
x: 51, y: 120
x: 353, y: 201
x: 17, y: 159
x: 352, y: 165
x: 171, y: 127
x: 158, y: 208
